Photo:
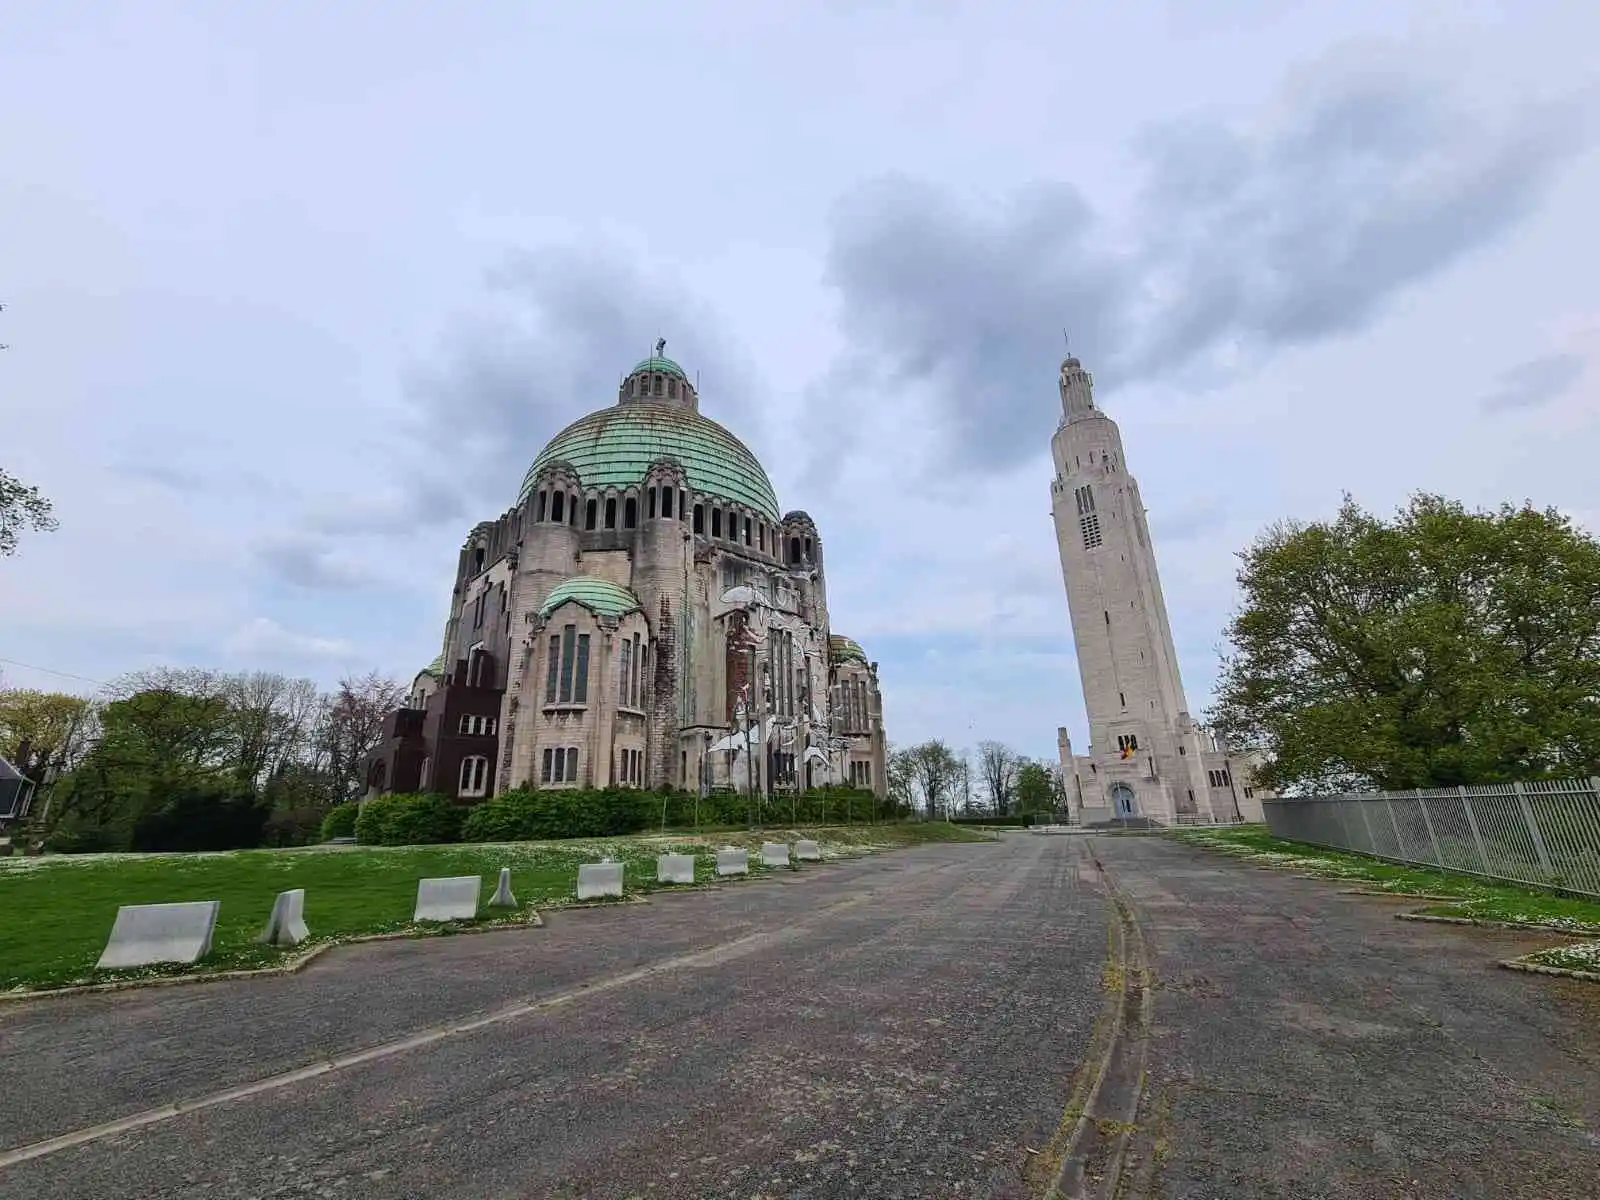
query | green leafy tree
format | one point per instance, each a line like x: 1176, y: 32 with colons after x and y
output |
x: 1443, y: 648
x: 21, y: 506
x: 1036, y: 792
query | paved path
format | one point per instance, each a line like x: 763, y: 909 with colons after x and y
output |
x: 1306, y: 1044
x: 913, y: 1024
x: 902, y: 1025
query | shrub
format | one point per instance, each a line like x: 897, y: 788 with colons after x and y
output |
x: 528, y: 815
x: 340, y: 821
x: 408, y: 820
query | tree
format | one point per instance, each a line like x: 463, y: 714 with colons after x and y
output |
x: 1443, y: 649
x: 1035, y: 789
x: 43, y: 733
x: 21, y: 505
x: 933, y: 770
x: 351, y: 727
x: 997, y: 764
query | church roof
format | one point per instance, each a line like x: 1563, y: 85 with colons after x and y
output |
x: 841, y: 650
x: 599, y: 596
x: 615, y: 446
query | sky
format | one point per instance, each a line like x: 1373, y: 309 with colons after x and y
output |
x: 294, y: 293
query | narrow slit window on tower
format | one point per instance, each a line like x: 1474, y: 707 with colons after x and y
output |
x: 557, y: 512
x: 683, y: 504
x: 572, y: 511
x: 611, y: 512
x: 651, y: 506
x: 747, y: 531
x: 630, y: 512
x: 590, y: 514
x: 666, y: 501
x: 808, y: 549
x: 794, y: 550
x: 1123, y: 697
x: 761, y: 536
x: 716, y: 522
x: 539, y: 515
x: 699, y: 518
x: 1108, y: 617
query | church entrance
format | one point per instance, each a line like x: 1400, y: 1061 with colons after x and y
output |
x: 1123, y: 801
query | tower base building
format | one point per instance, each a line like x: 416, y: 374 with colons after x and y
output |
x: 1147, y: 757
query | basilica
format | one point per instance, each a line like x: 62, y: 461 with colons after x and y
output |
x: 642, y: 616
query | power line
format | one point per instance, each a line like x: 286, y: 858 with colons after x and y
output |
x: 64, y: 674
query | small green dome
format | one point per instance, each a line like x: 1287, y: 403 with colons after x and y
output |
x: 842, y: 650
x: 599, y: 596
x: 657, y: 363
x: 435, y: 668
x: 615, y: 447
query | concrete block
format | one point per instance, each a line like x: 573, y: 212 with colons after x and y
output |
x: 287, y: 924
x: 502, y: 897
x: 775, y: 854
x: 807, y: 851
x: 144, y: 934
x: 599, y: 879
x: 733, y: 862
x: 453, y: 899
x: 675, y: 868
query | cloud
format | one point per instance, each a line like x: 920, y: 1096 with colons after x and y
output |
x: 559, y: 330
x: 263, y: 638
x: 308, y: 562
x: 1243, y: 242
x: 1534, y: 383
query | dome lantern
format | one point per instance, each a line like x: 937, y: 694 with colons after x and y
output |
x: 659, y: 380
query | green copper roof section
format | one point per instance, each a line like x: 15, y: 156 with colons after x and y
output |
x: 657, y: 363
x: 842, y: 649
x: 599, y: 596
x: 435, y: 668
x: 615, y: 447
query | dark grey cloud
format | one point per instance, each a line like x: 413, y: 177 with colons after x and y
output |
x: 308, y: 562
x: 1240, y: 244
x: 559, y: 331
x: 1534, y: 383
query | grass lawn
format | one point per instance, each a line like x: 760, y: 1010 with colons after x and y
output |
x: 56, y: 911
x: 1584, y: 956
x: 1470, y: 896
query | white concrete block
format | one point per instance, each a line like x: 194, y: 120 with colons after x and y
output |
x: 675, y: 868
x: 144, y: 934
x: 775, y: 854
x: 599, y: 879
x: 807, y: 851
x: 287, y: 924
x: 453, y: 899
x: 502, y: 897
x: 733, y: 862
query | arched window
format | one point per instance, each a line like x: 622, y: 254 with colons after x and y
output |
x: 699, y: 518
x: 650, y: 506
x: 716, y: 522
x: 557, y: 511
x: 590, y: 514
x: 630, y: 512
x: 658, y: 385
x: 666, y: 501
x: 474, y: 776
x: 794, y: 550
x: 539, y: 514
x: 611, y: 512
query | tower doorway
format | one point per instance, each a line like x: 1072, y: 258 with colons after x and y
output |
x: 1123, y: 801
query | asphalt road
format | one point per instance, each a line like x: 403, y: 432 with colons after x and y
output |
x: 913, y: 1024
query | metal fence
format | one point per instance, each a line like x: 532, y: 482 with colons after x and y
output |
x: 1547, y: 834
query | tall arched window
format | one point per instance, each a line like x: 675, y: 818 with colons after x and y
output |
x: 474, y: 776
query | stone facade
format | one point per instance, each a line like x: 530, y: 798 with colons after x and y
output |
x: 642, y: 617
x: 1147, y: 757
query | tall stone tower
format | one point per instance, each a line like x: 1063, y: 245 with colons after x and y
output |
x: 1147, y: 756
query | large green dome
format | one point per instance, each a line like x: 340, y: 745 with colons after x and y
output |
x: 615, y: 447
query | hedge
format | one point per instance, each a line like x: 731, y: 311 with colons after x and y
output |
x: 340, y: 821
x: 408, y: 820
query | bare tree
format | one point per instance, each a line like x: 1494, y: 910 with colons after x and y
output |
x: 933, y: 769
x: 351, y: 726
x: 998, y: 765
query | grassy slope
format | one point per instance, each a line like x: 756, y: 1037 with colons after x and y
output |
x: 1478, y: 898
x: 56, y: 912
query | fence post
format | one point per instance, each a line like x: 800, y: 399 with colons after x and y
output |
x: 1438, y: 858
x: 1472, y: 821
x: 1533, y: 828
x: 1399, y: 842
